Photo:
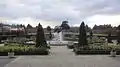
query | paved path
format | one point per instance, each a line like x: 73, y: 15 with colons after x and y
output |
x: 5, y: 60
x: 62, y: 57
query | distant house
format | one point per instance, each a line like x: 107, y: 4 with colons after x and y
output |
x: 104, y: 29
x: 6, y: 29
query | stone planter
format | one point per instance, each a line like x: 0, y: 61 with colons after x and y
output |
x: 113, y: 53
x: 11, y: 54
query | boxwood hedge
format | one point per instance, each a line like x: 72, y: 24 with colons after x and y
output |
x: 23, y: 50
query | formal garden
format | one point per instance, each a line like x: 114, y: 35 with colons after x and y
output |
x: 86, y: 44
x: 17, y: 45
x: 95, y: 45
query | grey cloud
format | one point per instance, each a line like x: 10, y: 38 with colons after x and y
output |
x: 74, y: 10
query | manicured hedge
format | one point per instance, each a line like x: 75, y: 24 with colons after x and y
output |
x: 95, y: 49
x: 23, y: 50
x: 70, y: 46
x: 95, y: 52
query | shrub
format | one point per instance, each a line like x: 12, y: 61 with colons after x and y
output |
x: 24, y: 50
x: 96, y: 40
x: 19, y: 40
x: 97, y: 49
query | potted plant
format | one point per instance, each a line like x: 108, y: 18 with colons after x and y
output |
x: 113, y: 53
x: 11, y: 53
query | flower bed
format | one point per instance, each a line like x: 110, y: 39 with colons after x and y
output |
x: 91, y: 52
x: 23, y: 50
x: 102, y: 49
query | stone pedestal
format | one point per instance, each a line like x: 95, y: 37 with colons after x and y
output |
x: 11, y: 54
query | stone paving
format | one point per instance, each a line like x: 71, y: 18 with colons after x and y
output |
x: 5, y: 60
x: 62, y: 57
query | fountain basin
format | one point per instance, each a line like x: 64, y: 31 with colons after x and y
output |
x: 57, y: 43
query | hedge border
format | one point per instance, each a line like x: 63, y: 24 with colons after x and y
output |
x: 26, y: 53
x: 94, y: 52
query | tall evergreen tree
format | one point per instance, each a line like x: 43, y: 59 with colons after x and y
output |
x: 29, y: 26
x: 88, y: 29
x: 65, y: 25
x: 49, y: 29
x: 82, y: 35
x: 109, y: 38
x: 91, y: 34
x: 118, y: 35
x: 40, y: 37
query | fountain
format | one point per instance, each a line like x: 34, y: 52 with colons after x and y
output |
x: 58, y: 34
x: 58, y: 39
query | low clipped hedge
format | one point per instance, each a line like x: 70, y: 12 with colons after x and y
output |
x: 23, y: 50
x: 102, y: 50
x: 70, y: 46
x: 95, y: 52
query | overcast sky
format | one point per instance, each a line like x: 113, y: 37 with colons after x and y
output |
x: 52, y: 12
